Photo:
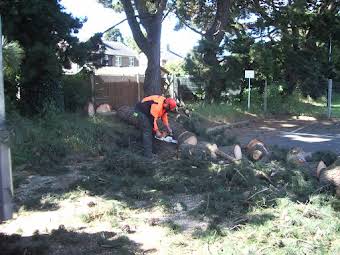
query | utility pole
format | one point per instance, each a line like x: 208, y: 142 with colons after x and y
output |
x: 330, y: 81
x: 6, y: 184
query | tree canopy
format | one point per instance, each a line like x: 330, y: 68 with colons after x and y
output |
x: 284, y: 41
x: 46, y: 34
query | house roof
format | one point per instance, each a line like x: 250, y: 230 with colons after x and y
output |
x: 170, y: 55
x: 119, y: 49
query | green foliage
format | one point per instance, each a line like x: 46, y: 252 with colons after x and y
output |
x: 204, y: 68
x: 44, y: 31
x: 328, y: 157
x: 175, y: 67
x: 114, y: 34
x: 291, y: 49
x: 77, y: 91
x: 131, y: 43
x: 13, y: 55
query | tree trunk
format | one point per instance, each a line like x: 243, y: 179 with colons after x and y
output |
x: 152, y: 82
x: 149, y: 44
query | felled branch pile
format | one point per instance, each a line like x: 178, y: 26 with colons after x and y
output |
x: 188, y: 144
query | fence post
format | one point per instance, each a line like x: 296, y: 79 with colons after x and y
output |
x: 92, y: 88
x: 138, y: 87
x: 329, y: 98
x: 6, y: 184
x: 172, y: 86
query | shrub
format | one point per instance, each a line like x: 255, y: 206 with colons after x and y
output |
x: 77, y: 91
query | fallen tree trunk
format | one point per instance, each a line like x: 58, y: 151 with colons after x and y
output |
x: 188, y: 144
x: 329, y: 175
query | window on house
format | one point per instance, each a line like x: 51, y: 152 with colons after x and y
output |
x: 131, y: 61
x: 106, y: 60
x: 110, y: 62
x: 118, y: 61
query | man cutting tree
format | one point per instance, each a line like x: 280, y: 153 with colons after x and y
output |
x: 148, y: 111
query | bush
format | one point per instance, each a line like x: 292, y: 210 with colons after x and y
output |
x: 77, y: 91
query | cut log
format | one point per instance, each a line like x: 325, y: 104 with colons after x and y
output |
x: 207, y: 151
x: 103, y: 108
x: 256, y: 150
x: 329, y: 175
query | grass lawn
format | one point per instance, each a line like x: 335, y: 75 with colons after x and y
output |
x: 277, y: 107
x: 83, y: 188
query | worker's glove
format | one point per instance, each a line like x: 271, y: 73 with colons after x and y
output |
x: 158, y: 134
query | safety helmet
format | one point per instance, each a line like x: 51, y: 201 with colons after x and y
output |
x: 171, y: 102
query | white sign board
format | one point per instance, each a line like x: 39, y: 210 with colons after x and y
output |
x: 250, y: 74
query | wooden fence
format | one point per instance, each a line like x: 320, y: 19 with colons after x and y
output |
x: 117, y: 90
x: 128, y: 90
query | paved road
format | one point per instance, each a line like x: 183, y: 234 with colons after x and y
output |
x: 310, y: 135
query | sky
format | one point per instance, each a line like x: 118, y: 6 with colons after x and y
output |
x: 100, y: 18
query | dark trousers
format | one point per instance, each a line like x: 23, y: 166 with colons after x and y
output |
x: 146, y: 127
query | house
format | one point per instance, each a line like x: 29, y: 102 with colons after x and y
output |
x: 118, y: 54
x: 168, y: 55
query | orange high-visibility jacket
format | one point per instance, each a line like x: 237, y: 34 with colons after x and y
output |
x: 157, y: 110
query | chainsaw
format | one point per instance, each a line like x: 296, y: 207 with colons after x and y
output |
x: 167, y: 139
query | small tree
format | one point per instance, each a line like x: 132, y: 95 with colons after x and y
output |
x: 45, y: 32
x: 13, y: 55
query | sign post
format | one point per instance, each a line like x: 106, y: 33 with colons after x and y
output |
x: 249, y: 74
x: 330, y: 82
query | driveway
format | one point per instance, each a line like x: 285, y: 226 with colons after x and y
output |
x: 309, y: 134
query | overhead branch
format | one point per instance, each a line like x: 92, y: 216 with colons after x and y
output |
x: 167, y: 13
x: 134, y: 25
x: 161, y: 7
x: 144, y: 16
x: 120, y: 22
x: 217, y: 29
x: 188, y: 26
